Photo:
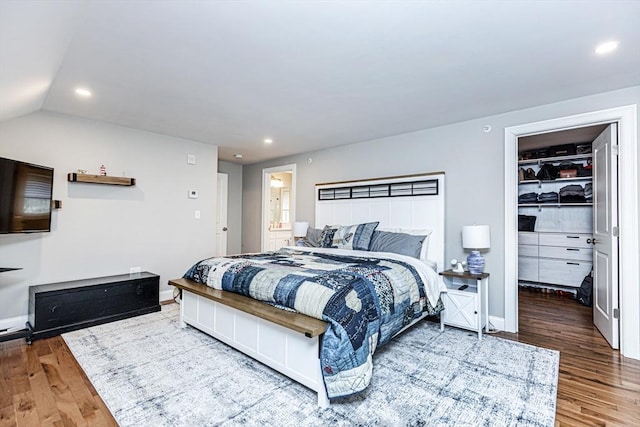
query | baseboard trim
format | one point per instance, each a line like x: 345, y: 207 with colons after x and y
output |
x: 13, y: 322
x: 166, y: 295
x: 497, y: 323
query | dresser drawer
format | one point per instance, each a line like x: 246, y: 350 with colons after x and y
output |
x: 562, y: 272
x: 528, y: 268
x: 527, y: 238
x: 527, y: 250
x: 580, y: 254
x: 573, y: 240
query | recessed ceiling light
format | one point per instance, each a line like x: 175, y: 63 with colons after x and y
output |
x: 85, y: 93
x: 607, y: 47
x: 237, y: 156
x: 268, y: 141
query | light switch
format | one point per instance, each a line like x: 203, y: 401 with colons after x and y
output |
x: 191, y: 159
x: 193, y: 194
x: 196, y: 214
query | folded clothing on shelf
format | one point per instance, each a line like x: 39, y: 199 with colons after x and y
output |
x: 572, y: 194
x: 549, y: 197
x: 588, y: 192
x: 528, y: 198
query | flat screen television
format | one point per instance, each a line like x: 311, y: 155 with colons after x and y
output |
x: 25, y: 197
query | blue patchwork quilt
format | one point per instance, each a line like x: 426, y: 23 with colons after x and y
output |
x: 365, y: 297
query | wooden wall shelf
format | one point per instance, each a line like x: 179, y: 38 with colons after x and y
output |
x: 100, y: 179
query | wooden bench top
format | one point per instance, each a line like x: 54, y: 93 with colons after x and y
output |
x: 302, y: 323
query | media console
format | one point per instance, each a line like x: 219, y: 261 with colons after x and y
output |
x: 66, y: 306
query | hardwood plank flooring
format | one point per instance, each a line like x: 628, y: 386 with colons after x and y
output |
x: 43, y: 385
x: 596, y: 386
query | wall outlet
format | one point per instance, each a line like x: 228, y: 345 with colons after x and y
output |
x: 196, y: 214
x: 134, y: 270
x: 191, y: 159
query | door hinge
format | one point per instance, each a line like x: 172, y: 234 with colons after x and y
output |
x: 616, y: 313
x: 615, y: 231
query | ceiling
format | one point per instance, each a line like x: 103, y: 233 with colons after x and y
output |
x: 309, y: 75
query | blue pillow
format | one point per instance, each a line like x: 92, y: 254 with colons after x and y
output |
x: 355, y: 237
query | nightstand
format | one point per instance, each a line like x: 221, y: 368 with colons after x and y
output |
x: 466, y: 303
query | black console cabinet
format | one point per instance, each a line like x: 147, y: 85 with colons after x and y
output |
x: 61, y: 307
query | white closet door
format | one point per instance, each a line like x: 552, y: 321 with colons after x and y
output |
x: 605, y: 230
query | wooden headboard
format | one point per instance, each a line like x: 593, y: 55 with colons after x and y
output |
x: 405, y: 202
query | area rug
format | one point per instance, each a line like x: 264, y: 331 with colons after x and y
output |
x: 150, y: 372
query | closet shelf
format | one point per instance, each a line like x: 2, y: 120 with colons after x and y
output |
x: 552, y: 205
x: 547, y: 181
x: 100, y: 179
x: 554, y: 159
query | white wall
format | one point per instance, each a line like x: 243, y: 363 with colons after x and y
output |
x: 472, y: 160
x: 102, y: 229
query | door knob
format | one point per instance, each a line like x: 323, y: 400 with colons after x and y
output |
x: 224, y: 228
x: 592, y: 241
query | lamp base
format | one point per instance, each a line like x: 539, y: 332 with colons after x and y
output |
x: 475, y: 263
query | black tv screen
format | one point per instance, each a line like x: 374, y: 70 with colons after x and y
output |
x: 25, y: 197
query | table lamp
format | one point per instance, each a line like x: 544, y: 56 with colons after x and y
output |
x: 300, y: 231
x: 475, y: 237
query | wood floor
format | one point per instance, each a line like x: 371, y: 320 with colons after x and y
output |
x: 43, y: 385
x: 597, y: 386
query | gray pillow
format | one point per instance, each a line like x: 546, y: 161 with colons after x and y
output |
x: 313, y: 237
x: 397, y: 243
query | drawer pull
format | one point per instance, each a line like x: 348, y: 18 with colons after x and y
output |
x: 573, y: 249
x: 573, y: 237
x: 573, y: 263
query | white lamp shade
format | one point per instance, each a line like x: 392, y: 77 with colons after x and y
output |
x: 300, y: 228
x: 476, y: 237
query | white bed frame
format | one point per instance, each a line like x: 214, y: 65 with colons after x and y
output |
x: 287, y: 350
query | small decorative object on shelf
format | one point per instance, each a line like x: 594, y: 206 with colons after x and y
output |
x: 103, y: 170
x: 475, y: 237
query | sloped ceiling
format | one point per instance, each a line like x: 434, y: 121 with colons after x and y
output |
x: 308, y: 75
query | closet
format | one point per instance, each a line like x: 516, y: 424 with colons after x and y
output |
x: 555, y: 208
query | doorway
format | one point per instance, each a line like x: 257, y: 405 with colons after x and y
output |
x: 278, y: 206
x: 222, y: 205
x: 626, y: 119
x: 560, y: 220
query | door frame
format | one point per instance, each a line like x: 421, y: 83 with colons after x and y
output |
x: 266, y: 190
x: 629, y: 292
x: 222, y: 211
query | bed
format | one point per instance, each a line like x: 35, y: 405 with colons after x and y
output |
x: 358, y: 294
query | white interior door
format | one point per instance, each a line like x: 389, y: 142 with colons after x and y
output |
x: 605, y: 235
x: 221, y: 217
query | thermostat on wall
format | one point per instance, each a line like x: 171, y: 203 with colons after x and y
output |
x: 193, y: 194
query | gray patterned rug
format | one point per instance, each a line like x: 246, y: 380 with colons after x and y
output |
x: 152, y: 373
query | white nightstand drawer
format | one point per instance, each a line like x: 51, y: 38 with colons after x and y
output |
x: 561, y: 272
x: 527, y: 238
x: 527, y: 250
x: 573, y: 240
x: 580, y: 254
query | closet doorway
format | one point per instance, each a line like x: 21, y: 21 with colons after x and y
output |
x: 625, y: 118
x: 567, y: 211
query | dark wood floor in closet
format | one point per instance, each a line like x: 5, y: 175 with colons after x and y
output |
x: 43, y: 385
